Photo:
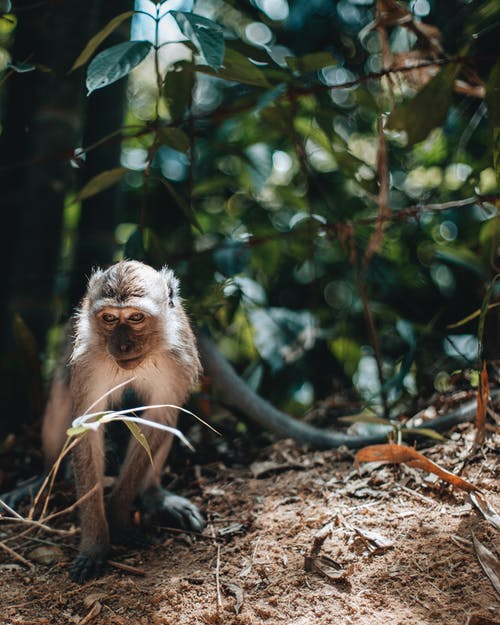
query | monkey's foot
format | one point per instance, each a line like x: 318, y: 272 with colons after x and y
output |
x: 86, y: 566
x: 164, y: 508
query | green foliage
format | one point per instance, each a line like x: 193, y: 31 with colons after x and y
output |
x: 101, y: 182
x: 267, y: 168
x: 428, y: 108
x: 114, y: 63
x: 205, y: 34
x: 493, y: 101
x: 98, y: 38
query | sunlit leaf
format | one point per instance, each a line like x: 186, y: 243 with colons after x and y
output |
x: 397, y: 454
x: 428, y: 108
x: 114, y: 63
x: 77, y: 431
x: 102, y: 181
x: 310, y: 62
x: 204, y: 33
x: 139, y: 437
x: 98, y: 38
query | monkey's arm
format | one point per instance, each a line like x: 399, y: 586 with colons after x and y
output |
x: 234, y: 393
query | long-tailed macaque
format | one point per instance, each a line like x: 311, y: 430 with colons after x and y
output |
x: 131, y: 323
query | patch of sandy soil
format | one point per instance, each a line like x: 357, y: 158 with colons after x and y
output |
x: 290, y: 511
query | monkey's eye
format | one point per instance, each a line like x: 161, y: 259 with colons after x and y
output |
x: 109, y: 318
x: 136, y: 318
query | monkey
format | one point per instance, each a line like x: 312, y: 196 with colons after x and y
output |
x: 131, y: 323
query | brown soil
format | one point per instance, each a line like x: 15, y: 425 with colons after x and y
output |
x: 249, y: 566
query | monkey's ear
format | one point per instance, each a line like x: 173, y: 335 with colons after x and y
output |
x: 94, y: 276
x: 171, y: 285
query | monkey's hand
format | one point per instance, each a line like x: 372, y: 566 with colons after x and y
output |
x: 87, y: 565
x: 164, y: 508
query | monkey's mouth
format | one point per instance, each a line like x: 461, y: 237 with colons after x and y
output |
x: 129, y: 363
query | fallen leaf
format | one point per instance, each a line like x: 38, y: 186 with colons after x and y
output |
x: 486, y: 509
x: 375, y: 542
x: 237, y: 592
x: 489, y: 563
x: 397, y: 454
x: 47, y: 554
x: 327, y: 568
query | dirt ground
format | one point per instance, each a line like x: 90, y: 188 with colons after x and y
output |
x: 277, y: 531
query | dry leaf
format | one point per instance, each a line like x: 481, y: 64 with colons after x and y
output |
x: 375, y: 542
x: 489, y: 563
x: 397, y: 454
x: 327, y: 568
x: 47, y: 554
x: 237, y: 592
x: 486, y: 509
x: 95, y: 610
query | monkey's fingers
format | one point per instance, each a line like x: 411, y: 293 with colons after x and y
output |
x: 174, y: 511
x: 86, y: 566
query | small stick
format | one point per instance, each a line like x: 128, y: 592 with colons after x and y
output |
x: 16, y: 555
x: 217, y: 578
x: 127, y: 568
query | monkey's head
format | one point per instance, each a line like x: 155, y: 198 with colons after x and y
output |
x: 128, y: 311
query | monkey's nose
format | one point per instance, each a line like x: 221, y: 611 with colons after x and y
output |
x: 125, y: 347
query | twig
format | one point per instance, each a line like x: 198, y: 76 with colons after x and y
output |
x: 16, y: 555
x: 217, y: 579
x: 127, y: 568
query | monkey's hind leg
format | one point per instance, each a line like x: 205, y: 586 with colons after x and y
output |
x: 88, y: 460
x: 139, y: 478
x: 162, y: 507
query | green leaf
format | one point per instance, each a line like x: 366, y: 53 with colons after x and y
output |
x: 428, y: 108
x: 139, y: 437
x: 114, y: 63
x: 310, y: 62
x: 179, y: 84
x: 237, y: 68
x: 424, y: 432
x: 78, y: 431
x: 98, y: 38
x: 175, y: 138
x: 493, y: 103
x: 204, y: 33
x: 102, y: 181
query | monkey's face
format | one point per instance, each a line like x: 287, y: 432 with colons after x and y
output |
x: 128, y: 333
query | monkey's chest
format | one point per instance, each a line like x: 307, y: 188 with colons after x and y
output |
x: 117, y: 434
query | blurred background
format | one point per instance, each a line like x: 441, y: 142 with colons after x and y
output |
x: 320, y: 175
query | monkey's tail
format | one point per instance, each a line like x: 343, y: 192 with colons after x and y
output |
x: 234, y: 393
